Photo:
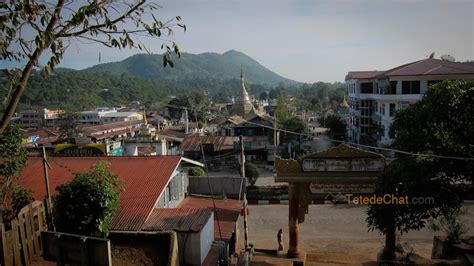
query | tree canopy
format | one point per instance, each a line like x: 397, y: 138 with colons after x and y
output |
x: 337, y: 127
x: 55, y: 26
x: 441, y: 123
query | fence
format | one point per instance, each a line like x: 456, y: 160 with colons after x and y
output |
x: 21, y: 244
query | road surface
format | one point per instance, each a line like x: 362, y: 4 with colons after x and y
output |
x: 333, y: 233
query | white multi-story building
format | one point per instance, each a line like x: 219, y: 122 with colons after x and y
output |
x: 94, y: 117
x: 374, y: 96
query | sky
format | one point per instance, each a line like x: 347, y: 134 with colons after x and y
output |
x: 311, y: 41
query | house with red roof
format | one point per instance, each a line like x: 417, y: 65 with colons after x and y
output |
x: 155, y: 198
x: 374, y: 96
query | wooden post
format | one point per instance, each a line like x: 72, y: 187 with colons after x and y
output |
x: 275, y: 142
x: 246, y: 230
x: 242, y: 170
x: 242, y: 164
x: 186, y: 130
x: 48, y: 192
x: 293, y: 223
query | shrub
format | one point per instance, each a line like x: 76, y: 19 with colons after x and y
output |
x: 86, y: 204
x: 251, y: 173
x: 196, y: 171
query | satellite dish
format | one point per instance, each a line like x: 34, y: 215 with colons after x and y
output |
x: 447, y: 57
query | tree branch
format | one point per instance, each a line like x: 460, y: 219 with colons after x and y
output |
x: 20, y: 88
x: 62, y: 33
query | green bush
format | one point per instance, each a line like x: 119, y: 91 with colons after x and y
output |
x: 196, y: 171
x: 251, y: 173
x: 86, y: 205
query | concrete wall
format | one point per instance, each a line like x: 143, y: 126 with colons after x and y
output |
x: 221, y: 185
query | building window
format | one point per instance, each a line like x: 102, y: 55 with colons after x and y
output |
x: 411, y: 87
x: 366, y: 87
x: 393, y: 87
x: 383, y: 109
x: 392, y: 109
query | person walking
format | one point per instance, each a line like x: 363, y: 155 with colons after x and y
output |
x: 280, y: 240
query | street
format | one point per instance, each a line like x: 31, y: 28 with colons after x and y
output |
x: 333, y: 233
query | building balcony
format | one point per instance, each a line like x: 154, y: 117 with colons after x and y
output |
x: 393, y: 97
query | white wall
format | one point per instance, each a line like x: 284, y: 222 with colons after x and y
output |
x: 194, y: 247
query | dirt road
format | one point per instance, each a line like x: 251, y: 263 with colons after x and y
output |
x: 333, y: 233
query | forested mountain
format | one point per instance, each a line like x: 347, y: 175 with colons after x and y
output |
x: 207, y: 66
x: 143, y: 78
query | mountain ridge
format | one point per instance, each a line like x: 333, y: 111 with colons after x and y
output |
x: 208, y: 65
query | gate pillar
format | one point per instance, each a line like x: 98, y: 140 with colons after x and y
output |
x: 293, y: 222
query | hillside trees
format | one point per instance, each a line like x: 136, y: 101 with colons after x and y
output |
x: 55, y: 26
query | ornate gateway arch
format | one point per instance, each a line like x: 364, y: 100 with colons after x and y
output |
x: 343, y: 167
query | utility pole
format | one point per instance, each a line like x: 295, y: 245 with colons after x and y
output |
x: 275, y: 142
x: 187, y: 120
x: 48, y: 192
x: 242, y: 171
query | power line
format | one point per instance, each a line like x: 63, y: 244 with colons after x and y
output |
x: 352, y: 143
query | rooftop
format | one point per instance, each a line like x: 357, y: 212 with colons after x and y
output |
x: 177, y: 219
x: 144, y: 180
x: 121, y: 114
x: 363, y: 74
x: 424, y: 67
x: 429, y: 66
x: 228, y: 212
x: 192, y: 142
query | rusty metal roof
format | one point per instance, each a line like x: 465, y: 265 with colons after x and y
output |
x: 99, y: 129
x: 228, y: 211
x: 144, y: 180
x: 221, y: 143
x: 177, y: 219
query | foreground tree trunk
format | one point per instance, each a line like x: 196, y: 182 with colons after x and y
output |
x: 390, y: 242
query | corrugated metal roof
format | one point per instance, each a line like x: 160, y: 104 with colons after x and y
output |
x: 97, y: 129
x: 177, y: 219
x: 228, y: 211
x: 221, y: 143
x: 144, y: 180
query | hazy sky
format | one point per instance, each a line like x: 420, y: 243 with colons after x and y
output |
x: 313, y: 40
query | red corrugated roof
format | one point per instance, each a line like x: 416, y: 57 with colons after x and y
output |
x: 228, y: 211
x: 144, y: 180
x: 177, y: 219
